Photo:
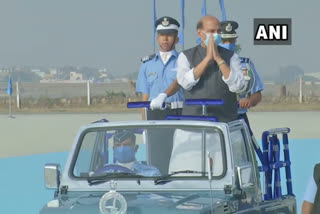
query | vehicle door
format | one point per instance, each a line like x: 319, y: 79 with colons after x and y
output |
x: 247, y: 182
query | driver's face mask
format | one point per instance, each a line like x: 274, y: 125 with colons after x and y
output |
x: 124, y: 154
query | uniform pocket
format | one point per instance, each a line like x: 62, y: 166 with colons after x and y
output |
x: 151, y: 77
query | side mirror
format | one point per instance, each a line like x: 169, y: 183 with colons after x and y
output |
x: 245, y: 175
x: 52, y: 175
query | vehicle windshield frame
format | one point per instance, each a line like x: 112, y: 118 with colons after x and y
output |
x: 152, y: 126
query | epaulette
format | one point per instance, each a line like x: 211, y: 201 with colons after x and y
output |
x: 244, y: 60
x: 147, y: 58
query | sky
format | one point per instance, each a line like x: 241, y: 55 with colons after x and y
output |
x: 115, y: 34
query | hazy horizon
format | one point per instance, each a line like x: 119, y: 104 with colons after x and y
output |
x: 116, y: 34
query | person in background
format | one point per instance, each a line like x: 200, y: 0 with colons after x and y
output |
x: 253, y: 95
x: 311, y: 202
x: 158, y: 71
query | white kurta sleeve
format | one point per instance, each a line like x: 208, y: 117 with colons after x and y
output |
x: 185, y: 75
x: 235, y: 80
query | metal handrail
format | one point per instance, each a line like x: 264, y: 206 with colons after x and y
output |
x: 271, y: 163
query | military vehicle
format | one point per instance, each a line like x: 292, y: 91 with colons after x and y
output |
x: 180, y: 165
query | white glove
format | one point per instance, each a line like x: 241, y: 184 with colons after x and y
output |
x: 157, y: 102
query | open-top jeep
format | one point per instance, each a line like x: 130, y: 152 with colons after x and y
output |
x: 179, y: 166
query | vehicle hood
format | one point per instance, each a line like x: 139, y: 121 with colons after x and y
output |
x: 139, y: 203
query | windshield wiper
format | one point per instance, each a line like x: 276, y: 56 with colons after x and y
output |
x: 108, y: 176
x: 165, y: 178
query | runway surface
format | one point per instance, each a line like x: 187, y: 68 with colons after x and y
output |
x: 29, y: 141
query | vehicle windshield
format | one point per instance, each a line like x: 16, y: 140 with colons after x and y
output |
x: 149, y: 151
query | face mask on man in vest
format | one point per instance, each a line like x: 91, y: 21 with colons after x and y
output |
x: 216, y: 36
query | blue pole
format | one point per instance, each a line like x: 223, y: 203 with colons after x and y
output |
x: 204, y: 8
x: 258, y: 151
x: 9, y: 88
x: 9, y: 92
x: 288, y: 166
x: 267, y: 178
x: 181, y: 33
x: 271, y: 162
x: 277, y: 165
x: 223, y: 11
x: 203, y: 13
x: 154, y: 26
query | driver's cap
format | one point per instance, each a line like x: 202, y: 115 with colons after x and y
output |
x: 122, y: 135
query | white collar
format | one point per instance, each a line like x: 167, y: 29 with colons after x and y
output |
x: 127, y: 165
x: 169, y: 53
x: 165, y: 56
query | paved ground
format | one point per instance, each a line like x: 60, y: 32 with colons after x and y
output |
x: 43, y: 133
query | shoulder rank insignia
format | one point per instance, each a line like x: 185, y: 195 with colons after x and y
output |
x: 147, y: 58
x: 244, y: 60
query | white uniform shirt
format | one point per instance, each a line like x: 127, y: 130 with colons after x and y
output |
x: 311, y: 191
x: 186, y: 79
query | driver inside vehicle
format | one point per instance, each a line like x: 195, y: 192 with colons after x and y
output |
x: 124, y: 150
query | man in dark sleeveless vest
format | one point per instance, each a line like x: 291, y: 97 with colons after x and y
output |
x: 311, y: 203
x: 208, y: 71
